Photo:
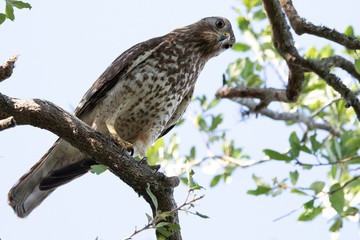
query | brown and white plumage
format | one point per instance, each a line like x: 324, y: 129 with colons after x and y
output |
x: 143, y: 94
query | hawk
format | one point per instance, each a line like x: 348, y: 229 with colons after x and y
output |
x: 139, y: 98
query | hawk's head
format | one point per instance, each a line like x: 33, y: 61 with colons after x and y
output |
x: 210, y: 36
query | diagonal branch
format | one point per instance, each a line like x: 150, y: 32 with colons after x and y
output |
x: 46, y: 115
x: 301, y: 26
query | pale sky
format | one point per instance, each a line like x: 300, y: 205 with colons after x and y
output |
x: 63, y: 46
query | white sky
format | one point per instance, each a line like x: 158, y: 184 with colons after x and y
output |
x: 64, y: 46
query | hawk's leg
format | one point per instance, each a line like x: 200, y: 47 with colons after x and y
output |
x: 125, y: 144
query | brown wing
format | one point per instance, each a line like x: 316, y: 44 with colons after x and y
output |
x: 118, y: 68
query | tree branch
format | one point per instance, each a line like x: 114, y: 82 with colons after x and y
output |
x: 338, y: 61
x: 46, y: 115
x: 301, y: 26
x: 266, y: 95
x: 7, y: 123
x: 7, y: 68
x: 284, y: 44
x: 285, y: 116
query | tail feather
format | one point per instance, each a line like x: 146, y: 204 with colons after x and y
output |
x: 27, y: 194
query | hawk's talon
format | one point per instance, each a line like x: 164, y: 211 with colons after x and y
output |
x: 130, y: 151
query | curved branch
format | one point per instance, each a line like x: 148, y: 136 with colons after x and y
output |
x: 284, y: 44
x: 338, y: 61
x: 301, y: 26
x: 46, y: 115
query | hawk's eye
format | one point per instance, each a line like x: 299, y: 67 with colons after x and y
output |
x: 220, y: 23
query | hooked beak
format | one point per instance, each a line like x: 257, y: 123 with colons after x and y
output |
x: 224, y: 37
x: 227, y: 41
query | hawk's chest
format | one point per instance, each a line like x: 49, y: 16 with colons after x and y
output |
x: 148, y: 95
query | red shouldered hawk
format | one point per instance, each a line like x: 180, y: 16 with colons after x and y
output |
x: 139, y: 98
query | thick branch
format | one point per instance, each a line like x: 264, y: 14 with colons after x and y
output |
x: 44, y: 114
x: 7, y: 68
x: 284, y: 44
x: 301, y: 26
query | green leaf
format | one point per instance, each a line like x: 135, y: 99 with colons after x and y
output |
x: 2, y: 18
x: 298, y: 192
x: 336, y: 225
x: 213, y: 103
x: 251, y: 3
x: 276, y: 155
x: 248, y: 68
x: 192, y: 152
x: 181, y: 121
x: 294, y: 141
x: 315, y: 145
x: 164, y: 231
x: 349, y: 31
x: 216, y: 121
x: 20, y: 4
x: 351, y: 211
x: 153, y: 151
x: 304, y: 148
x: 294, y: 177
x: 152, y: 196
x: 243, y: 23
x: 310, y: 214
x: 357, y: 65
x: 254, y: 80
x: 317, y: 186
x: 202, y: 124
x: 9, y: 11
x: 215, y: 180
x: 174, y: 227
x: 98, y: 169
x: 259, y: 15
x: 337, y: 198
x: 259, y: 191
x: 241, y: 47
x: 309, y: 204
x: 149, y: 217
x: 201, y: 215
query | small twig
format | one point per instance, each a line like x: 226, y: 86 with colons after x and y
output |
x: 301, y: 26
x: 7, y: 123
x: 158, y: 218
x: 7, y: 68
x: 287, y: 214
x: 342, y: 161
x: 319, y: 110
x: 344, y: 185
